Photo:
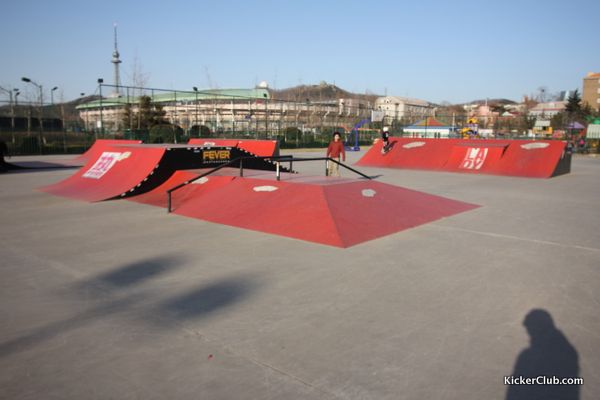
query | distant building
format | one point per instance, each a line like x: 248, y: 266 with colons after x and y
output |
x: 237, y: 110
x: 430, y: 128
x: 565, y: 94
x: 545, y: 111
x: 591, y: 90
x: 396, y: 108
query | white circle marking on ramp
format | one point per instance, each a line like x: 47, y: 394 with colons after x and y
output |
x: 531, y: 146
x: 368, y: 193
x: 200, y: 181
x: 413, y: 145
x: 265, y: 188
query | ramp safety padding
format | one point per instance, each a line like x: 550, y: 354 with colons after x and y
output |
x: 526, y: 158
x: 264, y: 148
x: 332, y: 213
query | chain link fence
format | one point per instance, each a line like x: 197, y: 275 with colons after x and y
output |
x: 177, y: 116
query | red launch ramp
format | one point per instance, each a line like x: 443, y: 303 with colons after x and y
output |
x: 331, y: 211
x: 116, y: 171
x: 130, y: 170
x: 526, y: 158
x: 265, y: 148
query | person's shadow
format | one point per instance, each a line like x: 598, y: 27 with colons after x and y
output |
x: 550, y: 354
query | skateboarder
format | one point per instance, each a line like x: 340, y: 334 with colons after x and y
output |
x: 385, y: 136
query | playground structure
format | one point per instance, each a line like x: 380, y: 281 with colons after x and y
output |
x: 471, y: 129
x: 376, y: 116
x: 231, y: 186
x: 355, y: 130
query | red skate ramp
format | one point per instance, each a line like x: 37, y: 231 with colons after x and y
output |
x: 131, y: 170
x: 534, y: 159
x: 408, y: 153
x: 475, y: 157
x: 264, y: 148
x: 117, y: 170
x: 335, y: 212
x: 158, y: 197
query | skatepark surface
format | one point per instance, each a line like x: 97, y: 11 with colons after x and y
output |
x: 121, y: 300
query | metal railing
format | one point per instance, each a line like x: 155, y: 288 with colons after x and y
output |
x: 286, y: 158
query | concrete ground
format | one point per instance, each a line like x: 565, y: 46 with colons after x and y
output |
x: 118, y: 300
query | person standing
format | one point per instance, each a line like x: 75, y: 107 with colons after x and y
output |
x: 335, y: 150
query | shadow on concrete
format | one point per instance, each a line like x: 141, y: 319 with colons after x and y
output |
x: 100, y: 287
x: 549, y: 354
x: 32, y: 166
x: 129, y: 275
x: 139, y: 272
x: 55, y: 329
x: 209, y: 298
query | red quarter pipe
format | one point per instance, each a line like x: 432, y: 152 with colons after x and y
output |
x: 526, y: 158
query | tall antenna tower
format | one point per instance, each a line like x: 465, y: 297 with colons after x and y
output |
x: 116, y: 61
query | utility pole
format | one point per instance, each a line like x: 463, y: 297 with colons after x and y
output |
x: 41, y: 137
x: 100, y: 82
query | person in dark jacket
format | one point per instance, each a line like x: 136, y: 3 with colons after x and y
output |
x: 385, y: 136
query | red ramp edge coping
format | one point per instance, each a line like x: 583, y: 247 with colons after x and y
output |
x: 99, y: 147
x: 116, y: 170
x: 264, y: 148
x: 525, y: 158
x: 340, y: 214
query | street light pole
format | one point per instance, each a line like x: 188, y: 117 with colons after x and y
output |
x: 196, y: 116
x: 52, y: 103
x: 86, y: 123
x: 266, y: 116
x: 52, y: 94
x: 41, y: 138
x: 100, y: 81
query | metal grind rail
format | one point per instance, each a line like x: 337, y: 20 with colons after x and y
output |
x: 277, y: 159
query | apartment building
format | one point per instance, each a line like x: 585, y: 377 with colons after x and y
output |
x: 591, y: 90
x: 395, y: 108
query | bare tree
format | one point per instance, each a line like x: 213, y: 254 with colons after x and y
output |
x: 209, y: 81
x: 138, y: 77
